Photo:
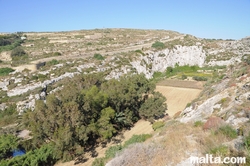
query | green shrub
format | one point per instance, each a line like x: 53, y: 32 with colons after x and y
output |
x: 7, y: 144
x: 197, y: 78
x: 170, y: 69
x: 34, y: 77
x: 247, y: 142
x: 111, y: 151
x: 246, y: 58
x: 8, y: 116
x: 100, y: 161
x: 188, y: 105
x: 140, y: 52
x: 157, y: 74
x: 52, y: 62
x: 221, y: 150
x: 18, y: 60
x: 45, y: 155
x: 158, y: 45
x: 5, y: 71
x: 227, y: 131
x: 137, y: 139
x: 9, y: 42
x: 42, y: 77
x: 18, y: 51
x: 183, y: 77
x: 98, y: 57
x: 162, y: 55
x: 157, y: 125
x: 57, y: 54
x: 198, y: 124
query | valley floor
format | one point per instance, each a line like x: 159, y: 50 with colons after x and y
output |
x: 177, y: 99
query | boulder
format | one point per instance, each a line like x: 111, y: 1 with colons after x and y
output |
x: 213, y: 123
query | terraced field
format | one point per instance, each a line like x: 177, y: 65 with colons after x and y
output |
x: 177, y: 98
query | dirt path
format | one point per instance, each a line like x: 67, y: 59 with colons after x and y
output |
x: 177, y: 98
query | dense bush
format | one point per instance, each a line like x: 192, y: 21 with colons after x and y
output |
x: 57, y: 54
x: 52, y: 62
x: 5, y: 71
x: 197, y: 78
x: 137, y: 139
x: 44, y: 155
x: 18, y: 51
x: 4, y: 42
x: 227, y: 131
x: 111, y: 152
x: 18, y: 60
x: 198, y: 123
x: 140, y: 52
x: 9, y: 42
x: 158, y: 45
x: 90, y: 109
x: 246, y: 58
x: 157, y: 125
x: 183, y: 77
x: 8, y: 115
x: 7, y: 144
x: 98, y: 57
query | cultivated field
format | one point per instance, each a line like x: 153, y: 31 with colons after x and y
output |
x: 177, y: 98
x: 181, y: 83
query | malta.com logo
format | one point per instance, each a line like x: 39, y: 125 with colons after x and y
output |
x: 209, y: 159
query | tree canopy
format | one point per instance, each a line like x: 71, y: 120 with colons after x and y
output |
x: 90, y: 109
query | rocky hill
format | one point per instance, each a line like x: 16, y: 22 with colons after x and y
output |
x: 53, y: 59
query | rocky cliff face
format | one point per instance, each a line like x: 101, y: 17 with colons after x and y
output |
x: 159, y: 61
x: 227, y: 100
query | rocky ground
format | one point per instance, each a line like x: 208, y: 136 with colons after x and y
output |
x: 130, y: 51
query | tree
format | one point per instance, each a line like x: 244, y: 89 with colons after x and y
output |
x: 98, y: 57
x: 154, y: 107
x: 158, y: 45
x: 105, y: 127
x: 127, y: 95
x: 4, y: 42
x: 18, y: 51
x: 88, y: 110
x: 8, y: 143
x: 44, y: 155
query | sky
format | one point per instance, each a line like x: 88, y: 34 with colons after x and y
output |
x: 219, y: 19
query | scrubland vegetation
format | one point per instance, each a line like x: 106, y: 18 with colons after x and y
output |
x: 91, y: 109
x: 87, y: 111
x: 183, y: 72
x: 175, y: 138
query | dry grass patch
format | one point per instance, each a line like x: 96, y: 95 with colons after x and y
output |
x: 173, y: 144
